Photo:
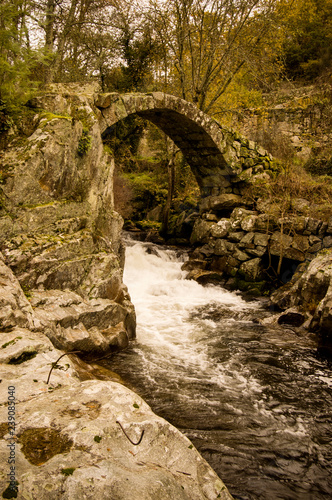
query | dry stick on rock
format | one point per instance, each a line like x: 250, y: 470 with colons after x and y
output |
x: 56, y: 362
x: 132, y: 442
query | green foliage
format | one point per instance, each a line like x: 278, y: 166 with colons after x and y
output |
x: 290, y: 184
x: 97, y: 439
x: 307, y: 49
x: 148, y: 225
x: 16, y: 56
x: 69, y: 471
x: 6, y: 120
x: 123, y: 140
x: 84, y: 144
x: 139, y: 53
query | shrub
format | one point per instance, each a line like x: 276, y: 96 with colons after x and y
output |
x: 84, y: 144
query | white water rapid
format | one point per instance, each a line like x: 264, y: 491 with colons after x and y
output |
x: 256, y: 401
x: 164, y: 302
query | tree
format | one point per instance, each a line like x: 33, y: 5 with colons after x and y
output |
x: 307, y: 44
x: 15, y: 52
x: 206, y: 43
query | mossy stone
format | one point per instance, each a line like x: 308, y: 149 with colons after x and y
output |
x: 41, y: 444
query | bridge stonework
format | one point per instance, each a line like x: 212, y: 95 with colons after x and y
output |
x: 222, y: 160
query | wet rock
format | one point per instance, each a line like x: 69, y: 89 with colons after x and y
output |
x: 205, y: 277
x: 292, y: 317
x: 191, y: 264
x: 251, y: 269
x: 311, y: 290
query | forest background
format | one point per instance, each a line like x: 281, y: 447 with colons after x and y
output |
x: 219, y: 54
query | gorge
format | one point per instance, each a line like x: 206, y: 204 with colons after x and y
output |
x: 62, y: 290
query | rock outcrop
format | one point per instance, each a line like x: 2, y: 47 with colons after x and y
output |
x: 59, y: 233
x: 307, y: 298
x: 246, y: 246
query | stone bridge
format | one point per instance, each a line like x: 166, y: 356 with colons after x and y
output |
x: 219, y: 157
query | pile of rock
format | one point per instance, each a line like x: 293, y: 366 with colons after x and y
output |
x: 241, y: 247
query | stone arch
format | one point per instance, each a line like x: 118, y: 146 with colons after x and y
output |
x: 201, y: 139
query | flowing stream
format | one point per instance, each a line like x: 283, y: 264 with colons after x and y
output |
x: 255, y: 400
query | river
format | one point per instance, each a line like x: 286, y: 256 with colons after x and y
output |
x: 255, y: 400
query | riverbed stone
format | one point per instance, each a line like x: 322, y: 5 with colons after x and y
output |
x: 310, y: 291
x: 220, y: 230
x: 292, y: 317
x: 251, y: 269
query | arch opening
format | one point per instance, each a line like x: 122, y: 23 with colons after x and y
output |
x: 152, y: 180
x: 196, y: 145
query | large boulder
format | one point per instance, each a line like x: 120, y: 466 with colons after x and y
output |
x: 310, y: 291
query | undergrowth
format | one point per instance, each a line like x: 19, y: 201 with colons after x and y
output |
x: 293, y: 184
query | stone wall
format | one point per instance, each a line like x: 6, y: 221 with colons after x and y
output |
x: 243, y: 250
x: 301, y: 126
